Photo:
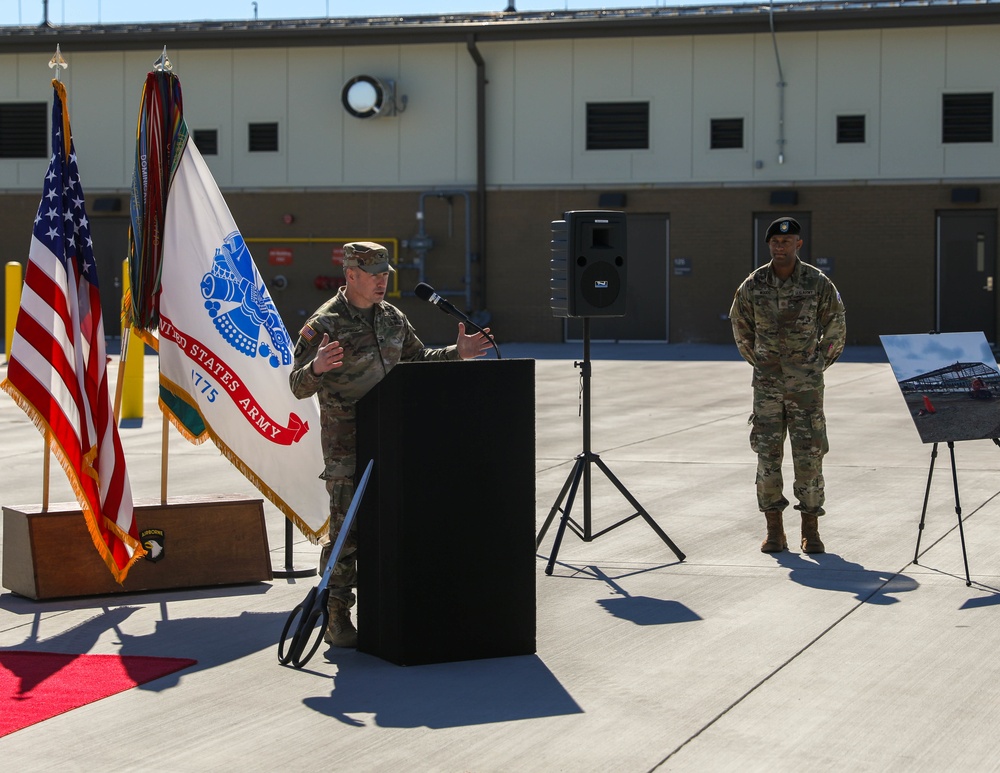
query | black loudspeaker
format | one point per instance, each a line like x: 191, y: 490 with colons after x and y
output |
x: 589, y: 259
x: 446, y: 529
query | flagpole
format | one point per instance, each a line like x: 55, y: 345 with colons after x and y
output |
x: 56, y: 63
x: 120, y: 381
x: 164, y: 447
x: 163, y: 64
x: 45, y: 474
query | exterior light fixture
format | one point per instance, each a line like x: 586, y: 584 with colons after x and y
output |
x: 365, y: 96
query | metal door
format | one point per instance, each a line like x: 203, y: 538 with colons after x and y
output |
x: 646, y: 306
x: 966, y: 272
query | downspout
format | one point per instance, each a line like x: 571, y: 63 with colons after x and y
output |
x: 480, y: 164
x: 781, y: 90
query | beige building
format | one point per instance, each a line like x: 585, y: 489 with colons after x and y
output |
x: 872, y: 123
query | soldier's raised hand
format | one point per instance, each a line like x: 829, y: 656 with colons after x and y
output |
x: 330, y: 355
x: 474, y: 345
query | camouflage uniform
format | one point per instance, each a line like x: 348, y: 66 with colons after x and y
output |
x: 790, y: 331
x: 371, y: 350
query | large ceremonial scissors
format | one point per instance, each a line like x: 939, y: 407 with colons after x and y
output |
x: 313, y: 608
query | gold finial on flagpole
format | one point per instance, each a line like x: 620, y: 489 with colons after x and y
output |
x: 57, y: 62
x: 163, y: 63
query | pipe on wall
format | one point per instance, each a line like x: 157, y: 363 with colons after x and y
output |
x: 480, y: 164
x: 422, y: 241
x: 781, y: 89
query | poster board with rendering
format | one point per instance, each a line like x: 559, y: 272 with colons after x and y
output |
x: 950, y: 383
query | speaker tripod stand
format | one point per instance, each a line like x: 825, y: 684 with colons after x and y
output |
x: 582, y: 471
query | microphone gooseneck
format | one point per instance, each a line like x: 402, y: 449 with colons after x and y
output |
x: 426, y: 293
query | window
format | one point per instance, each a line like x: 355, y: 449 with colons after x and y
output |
x: 850, y: 128
x: 207, y: 141
x: 967, y: 117
x: 24, y: 130
x: 726, y: 133
x: 263, y: 137
x: 617, y: 125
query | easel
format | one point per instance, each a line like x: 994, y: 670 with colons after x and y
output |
x: 581, y: 469
x: 958, y: 505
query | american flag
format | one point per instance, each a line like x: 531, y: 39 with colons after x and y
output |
x: 57, y: 368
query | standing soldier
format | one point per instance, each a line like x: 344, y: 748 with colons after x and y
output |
x: 788, y: 321
x: 345, y: 348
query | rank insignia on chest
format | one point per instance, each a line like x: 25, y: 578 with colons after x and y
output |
x: 782, y: 303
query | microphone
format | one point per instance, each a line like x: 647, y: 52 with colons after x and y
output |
x: 426, y: 293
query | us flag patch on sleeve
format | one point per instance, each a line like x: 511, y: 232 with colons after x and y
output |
x: 307, y: 333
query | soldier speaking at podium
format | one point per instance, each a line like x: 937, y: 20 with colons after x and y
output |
x: 345, y: 348
x: 788, y: 321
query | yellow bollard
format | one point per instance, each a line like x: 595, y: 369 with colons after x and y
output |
x: 12, y: 277
x: 135, y: 351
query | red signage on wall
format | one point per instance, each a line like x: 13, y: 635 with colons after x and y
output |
x: 279, y: 256
x: 337, y: 255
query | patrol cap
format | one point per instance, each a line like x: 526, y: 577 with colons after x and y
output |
x: 369, y: 256
x: 783, y: 225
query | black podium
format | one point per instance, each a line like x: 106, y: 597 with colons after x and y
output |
x: 446, y: 550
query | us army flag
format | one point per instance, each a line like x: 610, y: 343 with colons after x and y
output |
x: 225, y: 355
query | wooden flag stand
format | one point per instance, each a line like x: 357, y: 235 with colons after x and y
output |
x: 221, y: 541
x: 191, y: 542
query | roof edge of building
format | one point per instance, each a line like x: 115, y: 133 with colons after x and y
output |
x: 505, y: 26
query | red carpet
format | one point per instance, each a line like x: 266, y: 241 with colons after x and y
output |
x: 38, y: 685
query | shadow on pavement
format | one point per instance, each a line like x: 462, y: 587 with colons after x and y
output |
x: 472, y: 692
x: 828, y: 571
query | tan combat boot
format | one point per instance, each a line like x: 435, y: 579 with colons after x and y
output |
x: 811, y: 542
x: 775, y: 541
x: 340, y: 631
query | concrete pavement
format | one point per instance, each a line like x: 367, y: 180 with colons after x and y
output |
x: 857, y: 659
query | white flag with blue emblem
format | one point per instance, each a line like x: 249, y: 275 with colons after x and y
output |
x: 225, y: 355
